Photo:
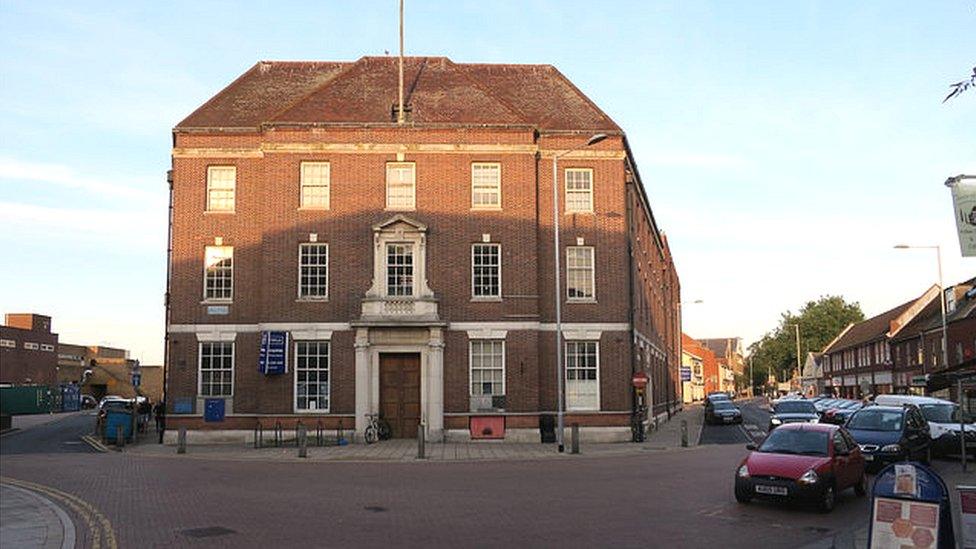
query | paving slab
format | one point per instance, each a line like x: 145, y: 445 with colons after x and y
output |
x: 29, y: 520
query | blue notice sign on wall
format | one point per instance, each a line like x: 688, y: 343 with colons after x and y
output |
x: 273, y: 358
x: 685, y: 373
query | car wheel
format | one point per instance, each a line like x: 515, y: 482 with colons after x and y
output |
x: 827, y: 499
x: 742, y: 496
x: 861, y: 488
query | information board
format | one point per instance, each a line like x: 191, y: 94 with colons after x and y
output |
x: 685, y: 373
x: 904, y: 523
x: 967, y: 500
x: 273, y: 357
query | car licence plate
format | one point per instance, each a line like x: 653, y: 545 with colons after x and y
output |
x: 868, y: 457
x: 774, y: 490
x: 728, y: 419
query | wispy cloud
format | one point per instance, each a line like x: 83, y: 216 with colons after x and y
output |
x: 132, y: 226
x: 701, y: 160
x: 64, y: 176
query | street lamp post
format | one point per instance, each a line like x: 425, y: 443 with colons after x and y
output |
x: 596, y: 138
x: 942, y: 303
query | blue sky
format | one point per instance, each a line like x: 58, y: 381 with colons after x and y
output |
x: 786, y: 146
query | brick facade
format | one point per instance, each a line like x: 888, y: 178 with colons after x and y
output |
x: 634, y: 316
x: 28, y: 350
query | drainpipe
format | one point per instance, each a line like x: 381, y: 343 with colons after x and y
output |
x: 166, y: 301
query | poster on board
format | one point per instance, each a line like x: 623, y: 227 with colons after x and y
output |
x: 904, y: 523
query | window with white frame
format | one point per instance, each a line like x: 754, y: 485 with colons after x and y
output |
x: 399, y: 269
x: 582, y: 379
x: 218, y: 273
x: 315, y: 185
x: 313, y: 271
x: 580, y: 273
x: 312, y: 376
x: 579, y: 190
x: 401, y: 186
x: 31, y: 346
x: 486, y: 271
x: 487, y: 358
x: 221, y: 181
x: 47, y: 347
x: 217, y: 368
x: 486, y: 186
x: 8, y: 343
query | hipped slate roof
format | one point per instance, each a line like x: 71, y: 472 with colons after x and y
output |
x: 437, y: 90
x: 877, y: 327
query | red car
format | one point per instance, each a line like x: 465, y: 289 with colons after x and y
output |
x: 810, y: 462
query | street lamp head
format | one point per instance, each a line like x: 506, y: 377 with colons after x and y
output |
x: 902, y: 246
x: 596, y: 139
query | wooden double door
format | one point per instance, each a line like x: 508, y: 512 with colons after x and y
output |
x: 400, y: 392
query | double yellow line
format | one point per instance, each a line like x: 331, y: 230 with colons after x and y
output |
x: 99, y: 528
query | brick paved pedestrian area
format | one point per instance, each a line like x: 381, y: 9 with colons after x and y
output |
x: 666, y: 435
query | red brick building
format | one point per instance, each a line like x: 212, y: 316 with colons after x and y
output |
x: 858, y: 362
x: 406, y: 269
x: 28, y: 350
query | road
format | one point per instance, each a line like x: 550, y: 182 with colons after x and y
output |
x: 57, y: 437
x: 755, y: 422
x: 680, y: 498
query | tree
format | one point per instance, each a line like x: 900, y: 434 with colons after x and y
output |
x: 961, y: 86
x: 820, y: 322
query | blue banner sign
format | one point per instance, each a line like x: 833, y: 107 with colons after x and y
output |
x: 273, y: 358
x: 685, y: 373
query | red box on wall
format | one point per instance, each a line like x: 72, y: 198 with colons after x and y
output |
x: 487, y: 427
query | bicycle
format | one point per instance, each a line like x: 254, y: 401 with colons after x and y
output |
x: 376, y: 429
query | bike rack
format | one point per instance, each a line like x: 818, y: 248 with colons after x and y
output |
x: 319, y: 432
x: 258, y: 435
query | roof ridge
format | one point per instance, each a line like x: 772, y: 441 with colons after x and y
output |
x: 347, y: 66
x: 490, y: 93
x: 583, y: 96
x: 222, y: 91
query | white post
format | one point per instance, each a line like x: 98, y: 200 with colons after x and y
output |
x: 435, y: 386
x: 362, y: 381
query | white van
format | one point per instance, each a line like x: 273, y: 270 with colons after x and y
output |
x: 943, y: 419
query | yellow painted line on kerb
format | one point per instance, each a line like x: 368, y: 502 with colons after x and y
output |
x: 100, y: 529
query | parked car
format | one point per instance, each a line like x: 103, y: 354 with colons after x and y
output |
x: 88, y: 402
x: 793, y: 411
x: 825, y: 404
x: 713, y: 397
x: 723, y: 411
x: 839, y: 414
x: 800, y: 461
x: 943, y: 418
x: 891, y: 433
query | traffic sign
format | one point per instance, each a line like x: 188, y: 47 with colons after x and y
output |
x: 640, y: 380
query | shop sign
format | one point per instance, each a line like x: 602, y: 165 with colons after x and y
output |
x: 273, y: 357
x: 685, y: 373
x: 964, y: 205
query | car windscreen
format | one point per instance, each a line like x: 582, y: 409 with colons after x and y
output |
x: 794, y: 407
x: 796, y: 441
x: 941, y: 413
x: 876, y: 420
x: 724, y: 405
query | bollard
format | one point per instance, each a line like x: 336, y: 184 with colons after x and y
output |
x: 277, y: 434
x: 119, y: 438
x: 684, y: 433
x: 421, y: 450
x: 257, y: 436
x: 302, y: 441
x: 298, y: 427
x: 574, y: 435
x: 181, y: 441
